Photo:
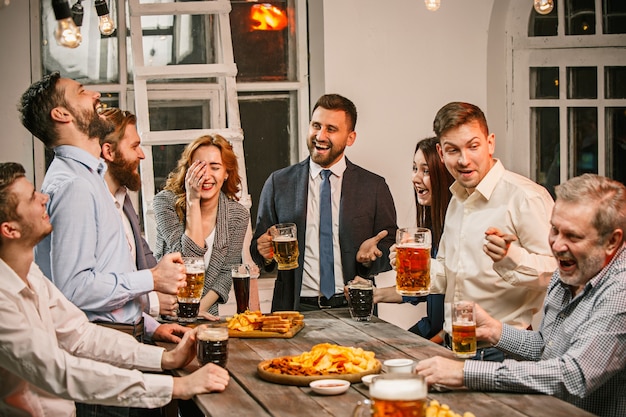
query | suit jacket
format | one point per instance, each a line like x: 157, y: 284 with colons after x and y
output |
x: 366, y: 208
x: 230, y: 230
x: 145, y: 258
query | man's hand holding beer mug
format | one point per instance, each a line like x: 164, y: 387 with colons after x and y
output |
x: 169, y: 274
x: 280, y: 243
x: 449, y: 372
x: 207, y: 378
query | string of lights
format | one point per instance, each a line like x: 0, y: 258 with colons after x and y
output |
x: 69, y: 21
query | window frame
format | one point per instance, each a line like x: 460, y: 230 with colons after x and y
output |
x: 562, y: 51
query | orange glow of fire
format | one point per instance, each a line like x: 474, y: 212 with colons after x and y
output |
x: 267, y: 17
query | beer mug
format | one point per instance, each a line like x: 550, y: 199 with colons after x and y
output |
x: 241, y: 284
x: 189, y: 296
x: 413, y: 261
x: 212, y: 344
x: 464, y: 329
x: 361, y: 300
x: 285, y: 245
x: 397, y: 395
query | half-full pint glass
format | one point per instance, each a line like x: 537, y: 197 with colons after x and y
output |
x: 285, y: 245
x: 413, y: 261
x: 397, y: 395
x: 189, y: 296
x: 212, y: 344
x: 464, y: 329
x: 241, y: 284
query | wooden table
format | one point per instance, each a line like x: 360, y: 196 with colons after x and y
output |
x: 248, y: 395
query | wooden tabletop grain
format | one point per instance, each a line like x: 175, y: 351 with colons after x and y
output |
x: 248, y: 395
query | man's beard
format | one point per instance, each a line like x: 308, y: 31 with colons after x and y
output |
x: 92, y: 124
x: 125, y: 172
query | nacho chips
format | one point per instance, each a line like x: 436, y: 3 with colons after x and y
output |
x: 325, y: 359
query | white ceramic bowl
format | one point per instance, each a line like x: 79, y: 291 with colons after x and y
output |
x: 394, y: 366
x: 367, y: 379
x: 329, y: 386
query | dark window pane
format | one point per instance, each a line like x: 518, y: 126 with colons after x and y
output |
x: 267, y: 146
x: 544, y: 82
x: 164, y: 115
x: 545, y: 129
x: 164, y: 160
x: 543, y: 25
x: 616, y: 142
x: 580, y: 17
x: 583, y: 135
x: 263, y: 47
x: 176, y: 40
x: 615, y: 79
x: 614, y: 16
x: 176, y: 118
x: 582, y: 82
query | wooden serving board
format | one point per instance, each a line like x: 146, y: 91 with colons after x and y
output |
x: 260, y: 334
x: 303, y: 381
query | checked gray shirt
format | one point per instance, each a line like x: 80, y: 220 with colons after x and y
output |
x: 579, y: 353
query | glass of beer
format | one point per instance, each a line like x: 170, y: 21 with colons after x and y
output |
x: 189, y: 296
x: 464, y: 329
x: 241, y: 284
x: 212, y: 344
x: 285, y: 245
x: 413, y: 261
x: 397, y: 395
x: 361, y: 302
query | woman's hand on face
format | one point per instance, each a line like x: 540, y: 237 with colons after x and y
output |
x: 194, y: 178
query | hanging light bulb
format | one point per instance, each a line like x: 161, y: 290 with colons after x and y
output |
x: 106, y: 24
x: 77, y: 13
x: 67, y: 33
x: 432, y: 5
x: 543, y: 6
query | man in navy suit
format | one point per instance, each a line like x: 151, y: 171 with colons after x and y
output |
x: 121, y: 150
x: 363, y: 213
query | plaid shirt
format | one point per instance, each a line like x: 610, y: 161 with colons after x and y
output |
x: 578, y: 355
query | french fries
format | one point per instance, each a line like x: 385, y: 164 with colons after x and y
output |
x: 278, y: 321
x: 435, y: 409
x: 325, y: 359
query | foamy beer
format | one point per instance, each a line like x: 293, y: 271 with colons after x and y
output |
x: 189, y: 296
x: 413, y: 261
x: 397, y: 395
x: 464, y: 329
x: 285, y: 245
x: 212, y: 345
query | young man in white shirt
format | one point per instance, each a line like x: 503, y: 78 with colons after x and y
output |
x: 51, y: 354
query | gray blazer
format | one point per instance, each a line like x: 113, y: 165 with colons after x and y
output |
x: 230, y: 230
x: 366, y: 208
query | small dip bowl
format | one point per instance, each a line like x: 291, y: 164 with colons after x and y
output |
x: 329, y: 386
x: 367, y: 379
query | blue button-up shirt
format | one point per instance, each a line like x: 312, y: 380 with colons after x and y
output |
x: 87, y: 255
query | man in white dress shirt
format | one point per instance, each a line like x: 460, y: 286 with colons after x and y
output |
x: 51, y: 354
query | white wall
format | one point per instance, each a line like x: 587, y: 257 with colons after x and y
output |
x: 400, y: 63
x: 15, y: 76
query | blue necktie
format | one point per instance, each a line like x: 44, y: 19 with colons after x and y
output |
x: 327, y: 259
